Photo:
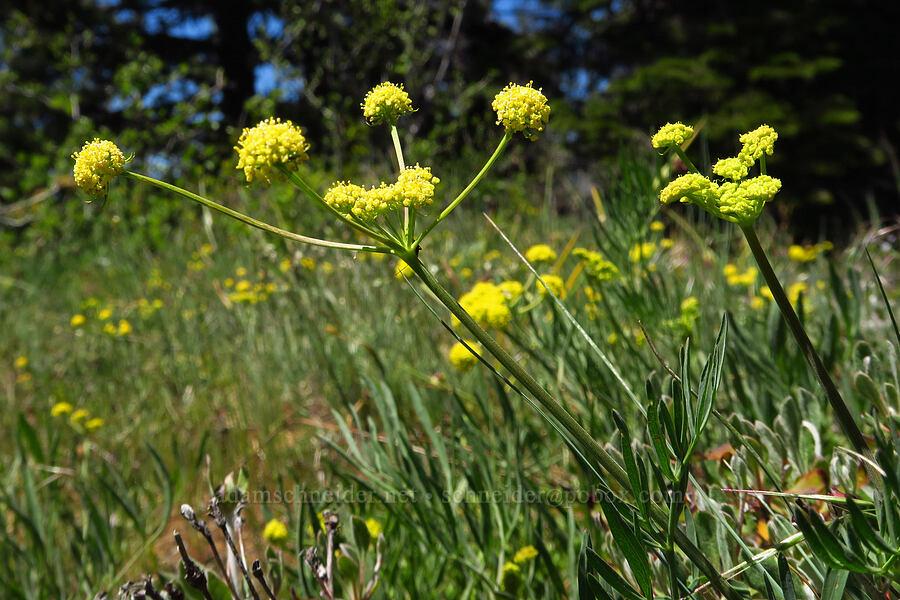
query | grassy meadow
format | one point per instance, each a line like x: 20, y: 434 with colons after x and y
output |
x: 150, y: 349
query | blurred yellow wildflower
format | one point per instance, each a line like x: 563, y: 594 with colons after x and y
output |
x: 666, y: 243
x: 795, y: 289
x: 275, y: 532
x: 555, y: 283
x: 374, y: 528
x: 487, y: 304
x: 96, y: 165
x: 79, y: 415
x: 77, y: 320
x: 243, y: 285
x: 525, y: 554
x: 104, y: 314
x: 736, y: 278
x: 60, y: 409
x: 386, y: 103
x: 657, y: 226
x: 597, y: 268
x: 757, y: 302
x: 511, y: 577
x: 540, y: 253
x: 269, y: 144
x: 94, y: 424
x: 522, y: 108
x: 284, y: 265
x: 124, y: 327
x: 642, y: 251
x: 21, y: 362
x: 511, y: 289
x: 240, y: 272
x: 308, y: 263
x: 672, y: 134
x: 612, y: 338
x: 110, y: 329
x: 462, y: 358
x: 766, y: 293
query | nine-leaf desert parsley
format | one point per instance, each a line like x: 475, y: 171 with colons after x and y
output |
x: 274, y: 146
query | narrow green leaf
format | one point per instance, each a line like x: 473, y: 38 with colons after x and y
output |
x: 884, y: 297
x: 631, y: 468
x: 863, y: 529
x: 630, y: 545
x: 785, y: 579
x: 709, y: 379
x: 656, y: 435
x: 835, y: 581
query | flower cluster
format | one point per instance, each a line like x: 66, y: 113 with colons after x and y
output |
x: 79, y: 417
x: 522, y: 108
x: 95, y: 166
x: 738, y: 200
x: 672, y: 134
x: 555, y: 283
x: 809, y: 252
x: 275, y: 532
x: 414, y: 188
x: 462, y: 358
x: 597, y: 268
x: 386, y: 103
x: 488, y: 305
x: 540, y: 253
x: 736, y: 278
x: 271, y: 143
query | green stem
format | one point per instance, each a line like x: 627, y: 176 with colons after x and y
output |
x: 254, y: 222
x: 462, y: 195
x: 684, y: 158
x: 313, y: 195
x: 585, y: 442
x: 408, y: 220
x: 848, y: 424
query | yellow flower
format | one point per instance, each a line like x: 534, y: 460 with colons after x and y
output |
x: 642, y: 251
x: 747, y: 278
x: 732, y: 168
x: 612, y: 338
x: 692, y: 187
x: 730, y: 270
x: 229, y: 282
x: 374, y: 528
x: 386, y: 103
x: 94, y: 424
x: 487, y: 304
x: 104, y: 314
x: 21, y: 362
x: 666, y: 243
x: 757, y: 302
x: 540, y: 253
x: 743, y: 202
x: 657, y: 226
x: 96, y: 165
x: 597, y: 268
x: 758, y: 142
x: 240, y: 272
x: 672, y: 134
x: 275, y: 532
x: 110, y: 329
x: 79, y: 415
x: 402, y: 270
x: 802, y: 253
x: 555, y: 283
x: 308, y: 263
x: 242, y: 286
x: 77, y: 320
x: 522, y: 108
x: 525, y: 554
x: 284, y: 265
x: 414, y: 187
x: 61, y: 408
x: 511, y: 577
x: 271, y: 143
x: 462, y: 358
x: 794, y: 290
x: 766, y: 293
x: 511, y: 289
x: 124, y: 327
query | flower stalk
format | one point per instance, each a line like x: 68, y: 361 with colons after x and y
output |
x: 844, y: 417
